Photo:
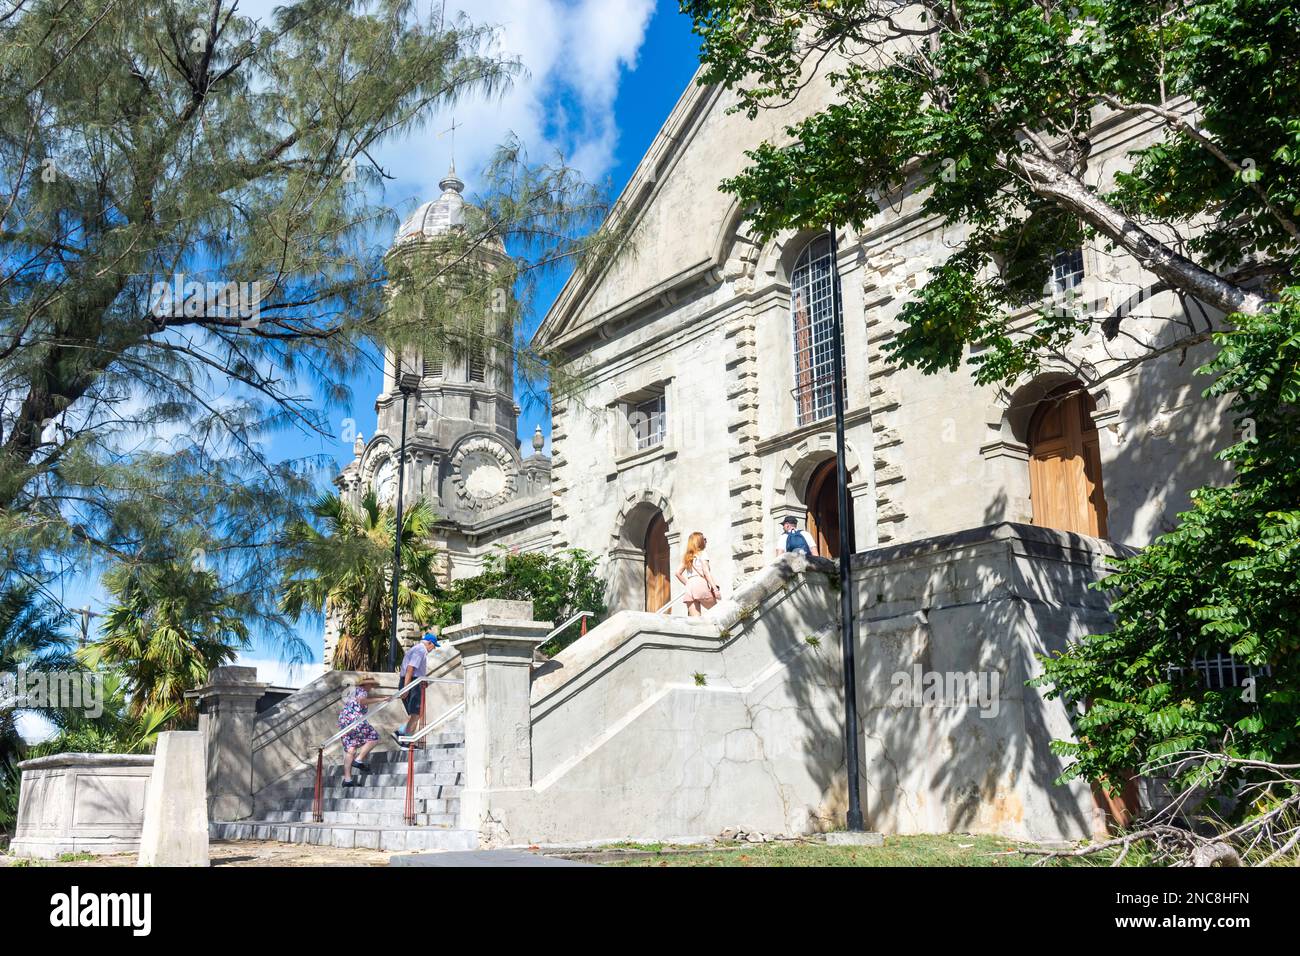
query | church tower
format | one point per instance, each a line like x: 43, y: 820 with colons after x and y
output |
x: 462, y: 455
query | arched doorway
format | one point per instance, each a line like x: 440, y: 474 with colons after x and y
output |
x: 822, y: 498
x: 1065, y: 463
x: 658, y: 585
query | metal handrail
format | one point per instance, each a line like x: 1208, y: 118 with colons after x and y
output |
x: 575, y: 617
x: 409, y: 814
x: 424, y: 731
x: 581, y: 614
x: 392, y: 699
x: 664, y: 609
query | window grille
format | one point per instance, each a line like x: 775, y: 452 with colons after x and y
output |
x: 1067, y: 270
x: 814, y: 331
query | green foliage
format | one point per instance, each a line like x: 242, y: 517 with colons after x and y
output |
x: 560, y: 584
x: 1226, y: 579
x: 985, y: 108
x: 121, y: 728
x: 31, y: 636
x: 168, y: 625
x: 10, y: 781
x: 345, y: 566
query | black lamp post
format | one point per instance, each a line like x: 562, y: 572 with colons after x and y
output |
x: 408, y: 383
x: 855, y: 820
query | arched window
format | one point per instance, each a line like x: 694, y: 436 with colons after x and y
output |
x: 811, y: 301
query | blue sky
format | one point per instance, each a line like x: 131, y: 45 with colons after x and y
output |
x: 602, y: 76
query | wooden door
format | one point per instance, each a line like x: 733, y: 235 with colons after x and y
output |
x: 658, y: 588
x: 1065, y: 464
x: 824, y: 510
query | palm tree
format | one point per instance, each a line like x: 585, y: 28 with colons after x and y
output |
x: 345, y: 566
x: 170, y: 623
x: 31, y: 635
x: 120, y: 728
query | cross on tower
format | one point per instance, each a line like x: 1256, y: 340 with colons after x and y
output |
x: 452, y: 130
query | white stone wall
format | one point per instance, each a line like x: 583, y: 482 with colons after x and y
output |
x: 653, y: 728
x: 81, y: 803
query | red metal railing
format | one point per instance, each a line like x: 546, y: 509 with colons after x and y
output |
x: 410, y: 770
x: 318, y: 814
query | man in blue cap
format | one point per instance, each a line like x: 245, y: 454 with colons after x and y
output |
x: 415, y: 664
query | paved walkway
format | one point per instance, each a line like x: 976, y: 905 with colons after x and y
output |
x: 267, y: 853
x: 258, y: 853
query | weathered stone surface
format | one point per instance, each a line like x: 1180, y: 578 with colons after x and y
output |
x: 81, y: 803
x: 175, y: 831
x: 854, y: 838
x: 476, y: 612
x: 227, y: 715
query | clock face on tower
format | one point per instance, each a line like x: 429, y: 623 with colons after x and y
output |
x: 385, y: 483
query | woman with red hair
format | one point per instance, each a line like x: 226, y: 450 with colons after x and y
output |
x: 702, y: 592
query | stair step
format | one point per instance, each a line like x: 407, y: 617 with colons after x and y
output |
x: 433, y: 748
x: 347, y: 836
x: 436, y: 792
x: 447, y: 760
x: 305, y: 785
x: 422, y: 764
x: 375, y: 780
x: 394, y: 804
x: 383, y: 819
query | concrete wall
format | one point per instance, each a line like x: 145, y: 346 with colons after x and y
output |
x: 984, y: 602
x: 81, y: 803
x: 652, y: 727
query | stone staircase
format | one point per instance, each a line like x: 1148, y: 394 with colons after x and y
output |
x: 373, y: 814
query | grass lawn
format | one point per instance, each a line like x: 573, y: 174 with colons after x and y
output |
x: 946, y: 850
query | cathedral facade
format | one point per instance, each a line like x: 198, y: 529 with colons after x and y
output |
x: 709, y: 357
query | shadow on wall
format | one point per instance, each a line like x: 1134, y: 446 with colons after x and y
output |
x: 815, y: 685
x: 1168, y: 440
x: 952, y: 739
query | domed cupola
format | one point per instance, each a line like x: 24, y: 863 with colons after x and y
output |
x: 440, y: 216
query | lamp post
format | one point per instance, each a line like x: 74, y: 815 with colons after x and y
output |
x: 408, y: 383
x: 855, y: 820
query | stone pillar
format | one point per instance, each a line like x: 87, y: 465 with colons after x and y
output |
x: 227, y: 710
x: 175, y: 831
x: 496, y: 641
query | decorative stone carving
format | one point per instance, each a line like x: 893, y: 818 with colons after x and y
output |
x: 483, y: 472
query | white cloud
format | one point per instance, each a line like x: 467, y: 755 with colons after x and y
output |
x: 573, y: 52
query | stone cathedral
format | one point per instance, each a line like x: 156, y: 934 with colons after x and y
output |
x: 462, y: 453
